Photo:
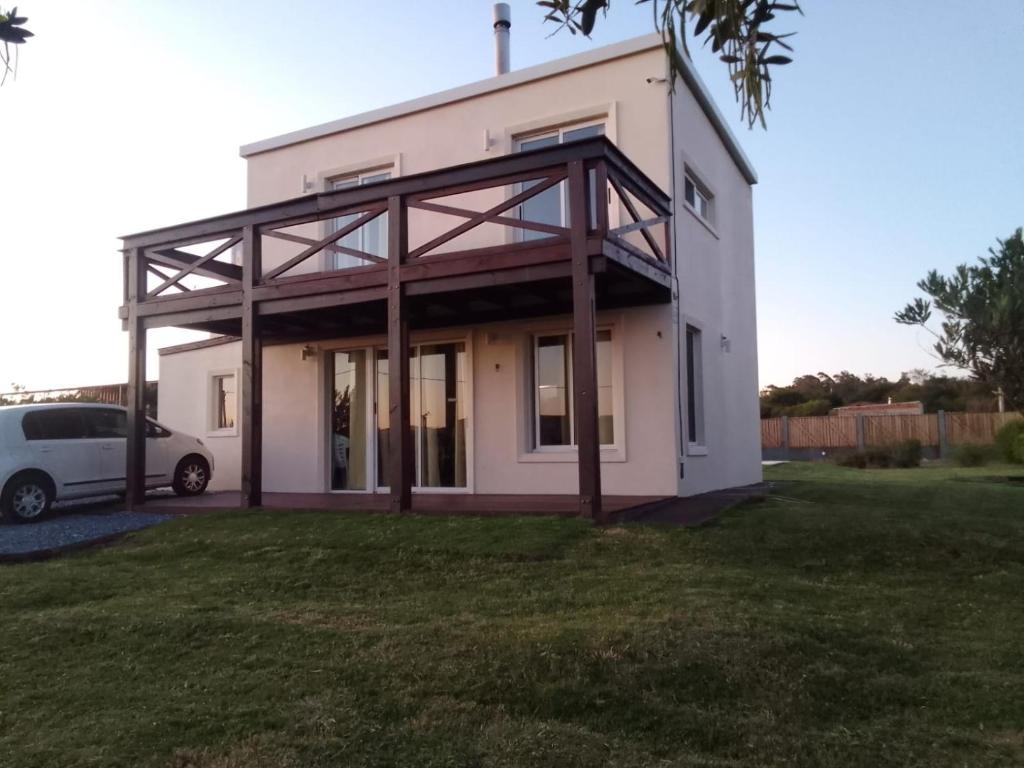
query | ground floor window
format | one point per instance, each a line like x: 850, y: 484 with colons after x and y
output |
x: 223, y: 402
x: 553, y: 404
x: 694, y: 387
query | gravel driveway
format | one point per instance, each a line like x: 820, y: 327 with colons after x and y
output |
x: 70, y: 527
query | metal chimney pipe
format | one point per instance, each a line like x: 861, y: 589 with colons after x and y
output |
x: 502, y: 25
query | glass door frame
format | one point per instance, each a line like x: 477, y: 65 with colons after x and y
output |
x: 370, y: 375
x: 327, y: 416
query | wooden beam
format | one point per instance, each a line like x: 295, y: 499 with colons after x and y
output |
x: 527, y: 274
x: 331, y: 247
x: 218, y: 270
x: 506, y: 221
x: 487, y: 215
x: 153, y: 270
x: 319, y: 245
x: 624, y: 197
x: 584, y: 350
x: 645, y: 224
x: 135, y: 469
x: 321, y: 300
x: 252, y: 374
x: 174, y: 279
x: 402, y: 461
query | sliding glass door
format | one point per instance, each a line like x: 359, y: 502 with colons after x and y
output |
x: 438, y: 404
x: 348, y: 433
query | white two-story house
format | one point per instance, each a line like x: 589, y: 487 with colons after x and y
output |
x: 538, y: 287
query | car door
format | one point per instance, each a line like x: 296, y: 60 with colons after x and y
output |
x: 109, y: 426
x: 59, y: 441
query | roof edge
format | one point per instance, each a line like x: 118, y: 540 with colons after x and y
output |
x: 732, y: 145
x: 215, y: 341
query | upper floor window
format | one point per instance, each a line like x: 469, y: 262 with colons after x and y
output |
x: 698, y: 197
x: 552, y: 205
x: 371, y: 238
x: 554, y: 406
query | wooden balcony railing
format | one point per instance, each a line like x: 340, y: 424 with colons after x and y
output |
x: 185, y: 266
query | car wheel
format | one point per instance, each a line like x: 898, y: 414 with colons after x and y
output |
x: 191, y: 476
x: 26, y: 498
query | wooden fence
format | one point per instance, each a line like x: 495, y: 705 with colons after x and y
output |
x: 940, y: 430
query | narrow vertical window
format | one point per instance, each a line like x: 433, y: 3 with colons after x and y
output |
x: 694, y: 388
x: 225, y: 405
x: 554, y: 408
x: 554, y: 390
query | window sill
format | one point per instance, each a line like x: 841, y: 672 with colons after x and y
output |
x: 609, y: 455
x: 223, y: 433
x: 707, y: 224
x: 693, y: 449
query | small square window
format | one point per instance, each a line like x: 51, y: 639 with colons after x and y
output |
x: 223, y: 402
x: 697, y: 197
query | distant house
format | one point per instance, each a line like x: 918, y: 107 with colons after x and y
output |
x: 537, y: 284
x: 911, y: 408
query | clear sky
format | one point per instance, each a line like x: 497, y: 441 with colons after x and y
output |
x: 896, y: 144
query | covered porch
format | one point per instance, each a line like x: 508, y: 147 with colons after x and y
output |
x: 231, y: 275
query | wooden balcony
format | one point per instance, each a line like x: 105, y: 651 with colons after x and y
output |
x: 308, y: 268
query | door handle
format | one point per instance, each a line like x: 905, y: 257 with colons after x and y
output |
x: 46, y: 450
x: 107, y: 447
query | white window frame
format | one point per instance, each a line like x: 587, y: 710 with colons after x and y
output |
x: 704, y: 198
x: 390, y: 164
x: 534, y: 404
x: 360, y: 178
x: 212, y: 404
x: 556, y: 130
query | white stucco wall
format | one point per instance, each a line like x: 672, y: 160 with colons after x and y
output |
x: 184, y: 403
x: 715, y: 269
x: 295, y: 408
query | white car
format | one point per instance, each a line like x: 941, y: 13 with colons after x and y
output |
x: 59, y: 451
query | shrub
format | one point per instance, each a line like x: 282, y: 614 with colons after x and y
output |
x: 972, y: 455
x: 878, y: 458
x: 1010, y: 441
x: 853, y: 460
x: 906, y: 454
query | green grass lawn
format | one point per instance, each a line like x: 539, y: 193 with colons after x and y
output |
x: 855, y: 618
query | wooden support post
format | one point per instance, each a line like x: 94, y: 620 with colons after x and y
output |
x: 135, y: 471
x: 943, y: 435
x: 252, y: 372
x: 401, y: 459
x: 584, y: 356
